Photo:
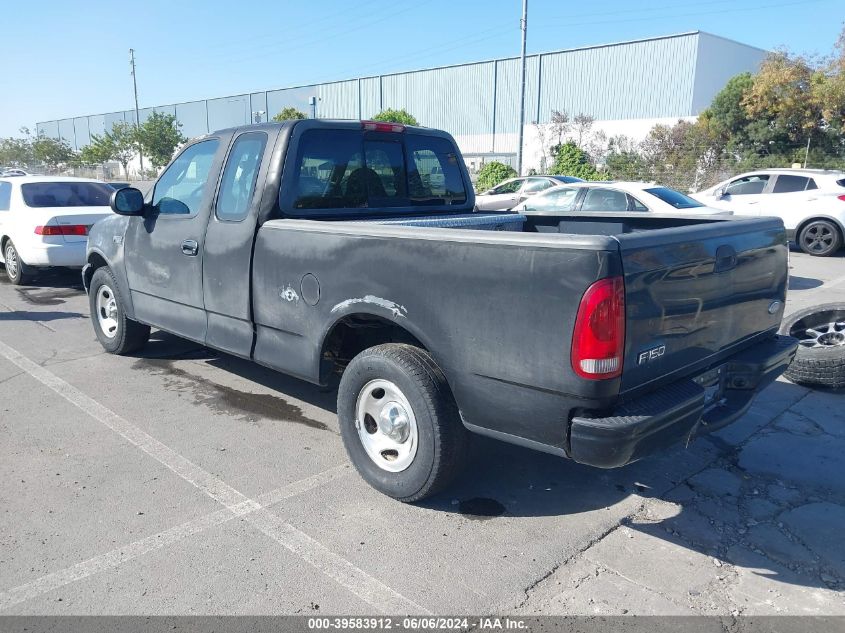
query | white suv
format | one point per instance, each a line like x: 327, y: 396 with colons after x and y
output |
x: 811, y: 203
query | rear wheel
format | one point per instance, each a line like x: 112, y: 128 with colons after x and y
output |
x: 820, y: 359
x: 18, y: 272
x: 399, y: 422
x: 116, y: 333
x: 821, y: 238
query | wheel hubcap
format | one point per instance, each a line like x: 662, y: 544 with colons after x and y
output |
x: 386, y: 425
x: 818, y: 238
x: 11, y: 262
x: 106, y: 306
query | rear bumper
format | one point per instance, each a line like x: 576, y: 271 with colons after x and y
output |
x: 71, y: 254
x: 670, y: 414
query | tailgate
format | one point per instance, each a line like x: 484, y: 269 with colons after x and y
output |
x: 698, y: 293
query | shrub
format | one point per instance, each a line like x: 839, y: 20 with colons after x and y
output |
x: 492, y: 174
x: 396, y: 116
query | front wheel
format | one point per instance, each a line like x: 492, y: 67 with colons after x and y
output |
x: 18, y: 272
x: 116, y: 333
x: 399, y: 422
x: 821, y: 238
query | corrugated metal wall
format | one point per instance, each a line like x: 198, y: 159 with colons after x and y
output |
x: 478, y: 103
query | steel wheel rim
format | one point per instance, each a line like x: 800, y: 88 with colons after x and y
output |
x: 11, y: 262
x: 818, y: 238
x: 106, y: 307
x: 824, y: 329
x: 386, y: 425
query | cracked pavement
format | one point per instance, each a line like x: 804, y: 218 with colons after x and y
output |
x: 747, y: 521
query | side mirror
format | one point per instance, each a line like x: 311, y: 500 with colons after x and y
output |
x: 127, y: 201
x: 719, y: 193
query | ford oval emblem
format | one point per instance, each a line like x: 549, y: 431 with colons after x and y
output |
x: 774, y: 306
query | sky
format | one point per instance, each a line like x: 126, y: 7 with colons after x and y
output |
x: 65, y: 58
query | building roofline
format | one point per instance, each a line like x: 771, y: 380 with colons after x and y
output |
x: 407, y: 72
x: 733, y: 41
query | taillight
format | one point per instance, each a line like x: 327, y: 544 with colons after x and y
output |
x: 842, y: 197
x: 598, y: 341
x: 62, y: 229
x: 378, y: 126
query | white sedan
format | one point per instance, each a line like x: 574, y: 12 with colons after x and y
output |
x: 44, y: 221
x: 811, y: 203
x: 614, y: 197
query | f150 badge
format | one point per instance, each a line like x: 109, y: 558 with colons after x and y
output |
x: 651, y: 354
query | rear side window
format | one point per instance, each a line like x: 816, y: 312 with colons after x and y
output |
x: 346, y: 169
x: 66, y: 194
x: 790, y: 184
x: 239, y: 175
x: 604, y: 200
x: 5, y: 195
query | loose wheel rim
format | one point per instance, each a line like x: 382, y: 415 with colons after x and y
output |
x: 106, y: 307
x: 386, y: 425
x: 824, y: 329
x: 11, y: 262
x: 818, y: 238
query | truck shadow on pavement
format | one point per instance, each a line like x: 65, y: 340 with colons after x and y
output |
x: 803, y: 283
x: 764, y: 495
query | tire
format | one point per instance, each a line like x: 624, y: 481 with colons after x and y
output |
x: 116, y: 333
x: 820, y: 238
x: 16, y: 270
x: 820, y: 359
x: 402, y: 385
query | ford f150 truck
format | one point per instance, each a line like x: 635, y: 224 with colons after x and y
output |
x: 350, y: 248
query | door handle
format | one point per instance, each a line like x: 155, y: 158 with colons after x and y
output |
x: 190, y: 248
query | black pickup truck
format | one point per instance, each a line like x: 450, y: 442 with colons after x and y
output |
x: 350, y: 248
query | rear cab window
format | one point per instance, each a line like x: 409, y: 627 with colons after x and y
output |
x: 66, y: 194
x: 357, y: 171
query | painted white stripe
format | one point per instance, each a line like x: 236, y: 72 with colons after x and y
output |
x: 126, y: 553
x: 357, y: 581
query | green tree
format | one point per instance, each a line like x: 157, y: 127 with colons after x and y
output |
x: 52, y: 152
x: 16, y: 152
x: 570, y: 160
x: 159, y: 136
x: 396, y: 116
x: 289, y: 114
x: 492, y: 174
x: 119, y: 144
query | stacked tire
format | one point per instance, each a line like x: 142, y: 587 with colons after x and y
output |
x: 820, y: 359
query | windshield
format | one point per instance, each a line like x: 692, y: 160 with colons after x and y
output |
x: 66, y: 194
x: 674, y: 198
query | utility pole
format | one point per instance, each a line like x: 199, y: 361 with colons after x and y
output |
x: 523, y: 26
x: 137, y: 115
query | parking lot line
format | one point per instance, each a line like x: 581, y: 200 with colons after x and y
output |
x: 125, y: 553
x: 357, y: 581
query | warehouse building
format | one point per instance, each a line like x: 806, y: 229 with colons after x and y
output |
x: 627, y: 87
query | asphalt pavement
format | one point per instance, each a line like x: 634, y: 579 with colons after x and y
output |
x: 184, y: 481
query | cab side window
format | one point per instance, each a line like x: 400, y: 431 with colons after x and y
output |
x: 179, y: 189
x: 238, y: 184
x: 749, y: 185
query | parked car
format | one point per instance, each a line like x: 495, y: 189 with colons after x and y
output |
x: 811, y: 203
x: 510, y: 193
x: 613, y: 197
x: 587, y: 341
x: 6, y: 172
x: 44, y: 221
